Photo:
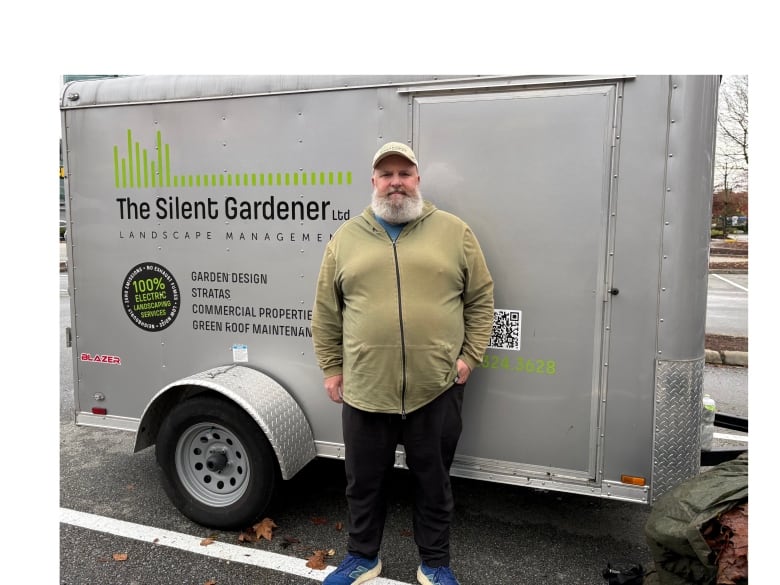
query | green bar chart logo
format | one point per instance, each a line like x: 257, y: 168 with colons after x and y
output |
x: 135, y: 167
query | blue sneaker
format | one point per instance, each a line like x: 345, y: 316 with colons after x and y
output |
x: 435, y: 575
x: 353, y: 570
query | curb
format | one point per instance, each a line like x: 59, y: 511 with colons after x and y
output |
x: 726, y: 358
x: 729, y: 270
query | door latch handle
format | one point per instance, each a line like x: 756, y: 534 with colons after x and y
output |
x: 614, y: 291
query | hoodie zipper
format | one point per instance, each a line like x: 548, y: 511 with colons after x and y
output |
x: 401, y: 324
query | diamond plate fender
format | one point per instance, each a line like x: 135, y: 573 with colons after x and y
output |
x: 266, y: 401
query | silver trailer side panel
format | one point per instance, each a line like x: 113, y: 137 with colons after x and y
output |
x: 664, y: 191
x: 590, y: 197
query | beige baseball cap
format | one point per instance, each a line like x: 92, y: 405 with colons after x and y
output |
x: 392, y: 148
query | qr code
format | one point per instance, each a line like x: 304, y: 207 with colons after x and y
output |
x: 506, y: 330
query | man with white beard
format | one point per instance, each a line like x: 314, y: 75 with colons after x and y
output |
x: 403, y: 313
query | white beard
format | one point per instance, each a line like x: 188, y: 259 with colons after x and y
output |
x: 408, y: 209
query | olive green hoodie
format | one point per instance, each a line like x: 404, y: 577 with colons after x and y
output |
x: 393, y: 318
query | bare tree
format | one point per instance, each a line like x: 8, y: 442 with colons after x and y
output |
x: 731, y: 152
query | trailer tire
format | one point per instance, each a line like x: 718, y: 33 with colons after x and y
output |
x: 218, y: 467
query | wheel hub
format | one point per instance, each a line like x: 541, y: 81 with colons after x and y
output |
x: 217, y: 462
x: 212, y: 464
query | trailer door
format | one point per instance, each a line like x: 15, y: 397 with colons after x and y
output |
x: 530, y: 170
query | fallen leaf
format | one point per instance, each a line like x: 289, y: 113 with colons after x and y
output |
x: 119, y: 556
x: 210, y: 582
x: 331, y: 553
x: 732, y: 560
x: 155, y: 541
x: 246, y: 537
x: 207, y: 541
x: 317, y: 560
x: 265, y: 528
x: 406, y: 532
x: 319, y: 520
x: 339, y: 526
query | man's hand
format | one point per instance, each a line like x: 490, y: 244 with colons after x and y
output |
x: 335, y: 387
x: 463, y: 372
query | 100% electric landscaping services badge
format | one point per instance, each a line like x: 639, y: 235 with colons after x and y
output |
x: 151, y: 296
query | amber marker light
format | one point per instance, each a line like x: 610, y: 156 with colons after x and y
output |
x: 632, y: 480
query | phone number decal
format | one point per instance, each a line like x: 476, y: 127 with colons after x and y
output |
x: 519, y: 365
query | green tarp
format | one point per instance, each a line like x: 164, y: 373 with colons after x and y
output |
x: 680, y: 553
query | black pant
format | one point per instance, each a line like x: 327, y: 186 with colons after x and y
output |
x: 430, y: 436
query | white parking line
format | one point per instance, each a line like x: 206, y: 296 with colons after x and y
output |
x: 730, y: 282
x: 192, y: 544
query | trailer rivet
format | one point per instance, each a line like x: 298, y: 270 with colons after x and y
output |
x: 661, y: 320
x: 673, y: 121
x: 98, y: 396
x: 663, y: 289
x: 666, y: 223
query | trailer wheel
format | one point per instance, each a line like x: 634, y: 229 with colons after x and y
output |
x: 218, y: 467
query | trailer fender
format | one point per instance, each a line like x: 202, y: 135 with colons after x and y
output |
x: 265, y: 400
